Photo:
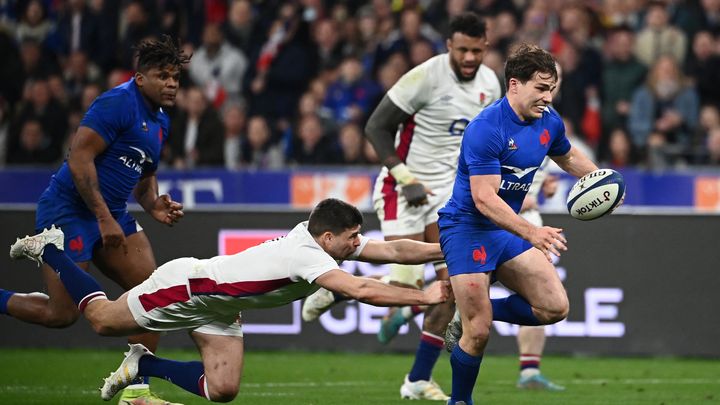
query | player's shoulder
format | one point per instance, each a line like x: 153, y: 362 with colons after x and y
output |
x: 118, y: 97
x: 487, y: 75
x: 553, y: 117
x: 489, y: 120
x: 431, y: 69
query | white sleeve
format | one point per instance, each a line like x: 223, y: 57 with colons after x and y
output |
x: 309, y: 263
x: 356, y: 253
x: 411, y: 92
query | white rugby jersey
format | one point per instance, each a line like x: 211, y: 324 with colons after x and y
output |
x: 271, y: 274
x: 441, y: 106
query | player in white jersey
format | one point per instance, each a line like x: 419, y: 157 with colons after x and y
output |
x: 416, y: 130
x: 206, y: 296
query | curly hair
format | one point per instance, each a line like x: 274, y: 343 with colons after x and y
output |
x: 159, y: 53
x: 468, y: 23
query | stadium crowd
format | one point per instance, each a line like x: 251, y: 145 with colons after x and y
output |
x: 278, y: 83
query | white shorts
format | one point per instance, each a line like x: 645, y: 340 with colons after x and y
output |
x: 397, y: 218
x: 163, y: 303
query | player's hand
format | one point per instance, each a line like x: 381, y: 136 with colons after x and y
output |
x: 167, y: 211
x: 437, y: 292
x: 416, y: 194
x: 549, y: 240
x: 112, y: 234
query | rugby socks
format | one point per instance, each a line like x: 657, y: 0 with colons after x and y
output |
x: 4, y: 298
x: 82, y: 286
x: 188, y: 375
x: 426, y: 356
x: 465, y: 369
x: 529, y: 364
x: 513, y: 309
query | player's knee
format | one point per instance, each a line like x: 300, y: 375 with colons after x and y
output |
x: 224, y: 391
x: 554, y: 313
x: 477, y: 334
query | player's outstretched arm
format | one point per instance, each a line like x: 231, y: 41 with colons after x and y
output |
x: 402, y: 251
x: 575, y: 162
x: 378, y: 293
x: 86, y: 146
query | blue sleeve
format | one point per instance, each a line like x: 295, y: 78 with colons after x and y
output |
x: 482, y: 148
x: 109, y: 115
x: 560, y: 144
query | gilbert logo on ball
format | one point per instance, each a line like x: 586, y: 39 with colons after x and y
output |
x: 596, y: 194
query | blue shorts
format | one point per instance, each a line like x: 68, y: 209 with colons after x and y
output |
x: 468, y: 249
x: 82, y: 234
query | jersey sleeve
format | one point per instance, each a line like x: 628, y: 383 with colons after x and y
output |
x: 358, y: 251
x: 481, y: 148
x: 310, y: 263
x: 411, y: 92
x: 560, y: 144
x: 109, y: 115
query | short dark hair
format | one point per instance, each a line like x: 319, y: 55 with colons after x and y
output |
x: 468, y: 23
x: 525, y: 60
x: 333, y: 215
x: 159, y: 53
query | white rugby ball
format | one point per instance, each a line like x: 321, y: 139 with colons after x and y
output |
x: 596, y: 194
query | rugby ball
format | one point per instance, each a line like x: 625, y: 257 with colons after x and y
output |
x: 596, y: 194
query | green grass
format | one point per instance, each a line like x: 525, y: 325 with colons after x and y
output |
x: 73, y: 376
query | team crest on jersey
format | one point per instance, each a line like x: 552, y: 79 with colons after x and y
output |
x: 511, y: 144
x: 545, y: 138
x: 482, y: 97
x: 144, y: 126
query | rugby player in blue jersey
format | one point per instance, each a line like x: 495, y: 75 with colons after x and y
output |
x: 115, y: 152
x: 481, y: 234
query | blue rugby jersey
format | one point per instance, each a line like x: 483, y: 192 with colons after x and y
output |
x: 498, y: 142
x: 134, y: 135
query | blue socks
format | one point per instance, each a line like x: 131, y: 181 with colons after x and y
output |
x: 426, y: 356
x: 513, y: 309
x: 81, y: 285
x: 465, y: 369
x: 188, y: 375
x: 4, y: 297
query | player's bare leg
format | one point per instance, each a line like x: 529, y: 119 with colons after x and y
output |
x: 129, y: 270
x: 222, y: 358
x: 53, y: 310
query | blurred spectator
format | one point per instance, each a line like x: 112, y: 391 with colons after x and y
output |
x: 33, y: 146
x: 258, y: 150
x: 4, y: 129
x: 58, y: 92
x: 234, y: 120
x: 135, y: 26
x: 659, y: 37
x: 412, y: 29
x: 218, y: 67
x: 664, y: 112
x: 312, y: 146
x: 239, y: 28
x: 352, y: 144
x: 710, y: 16
x: 622, y: 74
x: 11, y: 71
x: 329, y: 44
x: 78, y: 73
x: 41, y: 107
x: 286, y: 64
x: 420, y: 51
x: 504, y: 32
x: 535, y: 27
x: 704, y: 67
x: 196, y: 134
x: 570, y: 101
x: 713, y: 148
x: 78, y: 30
x: 618, y: 150
x: 440, y: 13
x: 36, y: 63
x: 351, y: 96
x: 34, y: 24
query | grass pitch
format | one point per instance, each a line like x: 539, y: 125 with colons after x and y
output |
x: 73, y: 376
